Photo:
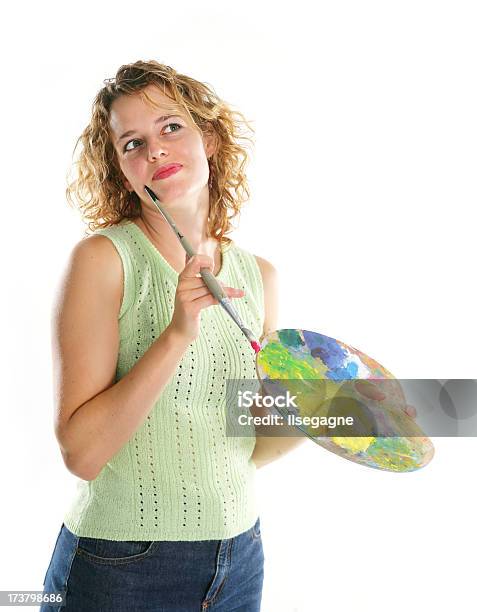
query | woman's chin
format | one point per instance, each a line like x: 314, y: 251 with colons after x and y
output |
x: 175, y: 197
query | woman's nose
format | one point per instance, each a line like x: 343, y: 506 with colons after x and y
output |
x: 156, y: 148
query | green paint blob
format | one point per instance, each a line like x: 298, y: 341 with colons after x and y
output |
x: 278, y: 363
x: 291, y: 337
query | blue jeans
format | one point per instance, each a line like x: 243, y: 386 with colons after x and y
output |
x: 131, y: 576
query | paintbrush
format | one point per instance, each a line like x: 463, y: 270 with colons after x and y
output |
x: 209, y: 279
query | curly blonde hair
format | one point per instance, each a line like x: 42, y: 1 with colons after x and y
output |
x: 98, y: 190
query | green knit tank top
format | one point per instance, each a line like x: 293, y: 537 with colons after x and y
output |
x: 179, y: 477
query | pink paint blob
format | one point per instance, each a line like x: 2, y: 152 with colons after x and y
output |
x: 256, y: 346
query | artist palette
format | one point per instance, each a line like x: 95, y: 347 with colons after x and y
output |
x: 332, y: 379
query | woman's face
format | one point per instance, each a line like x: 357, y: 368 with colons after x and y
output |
x: 144, y: 142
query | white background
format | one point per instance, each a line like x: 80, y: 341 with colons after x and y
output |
x: 363, y: 197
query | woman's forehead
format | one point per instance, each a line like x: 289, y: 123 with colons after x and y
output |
x: 151, y: 98
x: 151, y: 101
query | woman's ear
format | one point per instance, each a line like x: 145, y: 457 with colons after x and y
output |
x: 210, y: 140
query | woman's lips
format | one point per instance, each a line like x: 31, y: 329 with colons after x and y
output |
x: 162, y: 174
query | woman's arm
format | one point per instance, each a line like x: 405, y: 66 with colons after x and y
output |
x: 268, y: 448
x: 94, y: 416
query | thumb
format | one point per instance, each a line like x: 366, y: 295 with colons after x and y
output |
x: 366, y: 388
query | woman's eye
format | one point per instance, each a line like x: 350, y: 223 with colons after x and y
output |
x: 169, y: 125
x: 128, y: 148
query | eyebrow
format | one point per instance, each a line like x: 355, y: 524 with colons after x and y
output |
x: 158, y: 120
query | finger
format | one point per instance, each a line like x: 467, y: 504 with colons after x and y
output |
x: 195, y: 263
x: 191, y: 282
x: 229, y: 291
x: 195, y: 293
x: 204, y: 301
x: 195, y: 288
x: 410, y: 411
x: 233, y: 290
x: 369, y: 390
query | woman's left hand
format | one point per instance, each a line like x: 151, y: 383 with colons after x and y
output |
x: 366, y: 388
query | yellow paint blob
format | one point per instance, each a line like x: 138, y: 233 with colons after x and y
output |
x: 354, y: 445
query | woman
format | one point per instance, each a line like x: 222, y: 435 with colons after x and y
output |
x: 165, y: 516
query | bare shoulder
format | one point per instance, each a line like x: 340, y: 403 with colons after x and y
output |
x: 98, y: 256
x: 98, y: 248
x: 267, y: 269
x: 93, y: 266
x: 270, y: 291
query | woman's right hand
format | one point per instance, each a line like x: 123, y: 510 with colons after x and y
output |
x: 192, y: 295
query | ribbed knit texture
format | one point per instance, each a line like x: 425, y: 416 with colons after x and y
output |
x: 179, y: 477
